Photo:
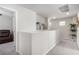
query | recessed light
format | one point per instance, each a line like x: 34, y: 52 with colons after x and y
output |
x: 67, y: 13
x: 54, y: 17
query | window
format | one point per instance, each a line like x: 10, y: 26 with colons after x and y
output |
x: 62, y: 23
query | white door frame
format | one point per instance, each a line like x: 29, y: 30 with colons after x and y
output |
x: 14, y: 26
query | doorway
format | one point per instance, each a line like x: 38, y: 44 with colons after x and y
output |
x: 7, y: 32
x: 63, y: 25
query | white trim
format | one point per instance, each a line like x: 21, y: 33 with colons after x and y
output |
x: 49, y: 49
x: 15, y: 15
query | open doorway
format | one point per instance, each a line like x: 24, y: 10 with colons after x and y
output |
x: 67, y: 43
x: 7, y: 32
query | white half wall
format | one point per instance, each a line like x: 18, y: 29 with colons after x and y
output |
x: 25, y: 43
x: 43, y: 42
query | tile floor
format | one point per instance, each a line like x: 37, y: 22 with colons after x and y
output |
x: 65, y: 47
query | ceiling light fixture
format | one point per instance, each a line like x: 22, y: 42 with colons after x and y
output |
x: 54, y: 17
x: 67, y: 13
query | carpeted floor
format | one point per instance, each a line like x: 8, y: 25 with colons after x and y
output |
x: 7, y: 49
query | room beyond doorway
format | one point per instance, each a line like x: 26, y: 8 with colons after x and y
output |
x: 7, y: 31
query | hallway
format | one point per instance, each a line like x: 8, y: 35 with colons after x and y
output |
x: 65, y: 47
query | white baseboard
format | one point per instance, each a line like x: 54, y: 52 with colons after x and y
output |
x: 49, y: 49
x: 45, y: 52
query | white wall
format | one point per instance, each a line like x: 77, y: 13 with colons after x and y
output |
x: 6, y: 23
x: 78, y: 37
x: 25, y: 22
x: 25, y: 18
x: 78, y: 31
x: 40, y: 19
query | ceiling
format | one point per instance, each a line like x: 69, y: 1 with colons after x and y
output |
x: 6, y: 12
x: 52, y: 10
